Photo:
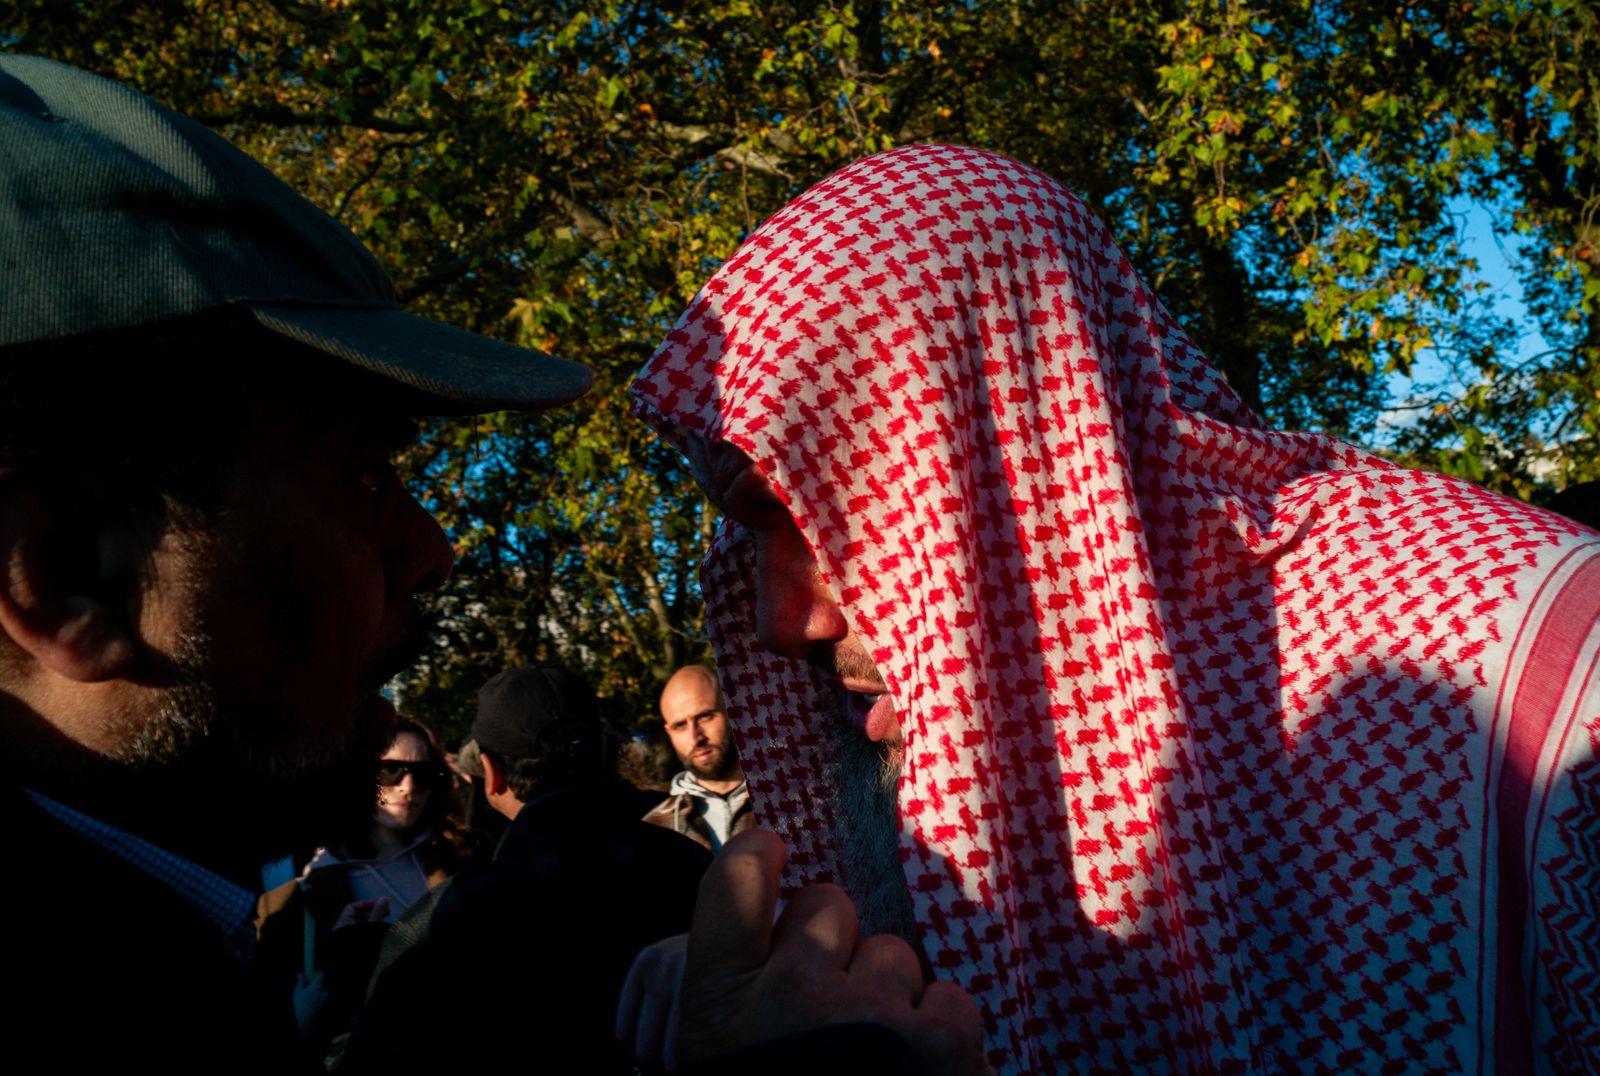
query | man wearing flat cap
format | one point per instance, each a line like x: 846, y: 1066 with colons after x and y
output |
x: 534, y: 946
x: 210, y: 563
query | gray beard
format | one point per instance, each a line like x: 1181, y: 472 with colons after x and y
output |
x: 864, y: 785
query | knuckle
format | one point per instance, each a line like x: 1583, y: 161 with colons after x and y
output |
x: 885, y: 956
x: 800, y: 972
x: 951, y: 1004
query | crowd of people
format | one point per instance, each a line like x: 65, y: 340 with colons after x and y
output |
x: 1066, y: 717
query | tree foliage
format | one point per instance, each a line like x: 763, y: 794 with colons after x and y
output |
x: 1289, y: 175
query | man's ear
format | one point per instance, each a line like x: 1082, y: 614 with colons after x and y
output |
x: 58, y: 601
x: 494, y: 775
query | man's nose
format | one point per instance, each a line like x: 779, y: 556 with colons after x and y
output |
x: 418, y: 555
x: 795, y: 614
x: 408, y: 782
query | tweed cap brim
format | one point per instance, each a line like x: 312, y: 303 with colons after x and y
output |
x: 117, y: 213
x: 463, y: 372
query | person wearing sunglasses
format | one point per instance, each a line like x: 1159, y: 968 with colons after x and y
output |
x: 409, y: 775
x: 409, y: 843
x: 351, y: 891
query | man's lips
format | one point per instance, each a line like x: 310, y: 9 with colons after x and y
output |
x: 873, y: 714
x: 860, y: 686
x: 869, y: 704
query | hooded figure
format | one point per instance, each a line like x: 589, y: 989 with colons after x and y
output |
x: 1224, y: 748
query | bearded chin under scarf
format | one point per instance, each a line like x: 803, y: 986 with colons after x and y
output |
x: 865, y: 785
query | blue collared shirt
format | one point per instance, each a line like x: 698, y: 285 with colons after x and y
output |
x: 227, y: 905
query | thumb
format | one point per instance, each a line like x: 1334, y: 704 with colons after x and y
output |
x: 732, y: 930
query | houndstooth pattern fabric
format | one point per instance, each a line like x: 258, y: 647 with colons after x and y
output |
x: 1212, y: 731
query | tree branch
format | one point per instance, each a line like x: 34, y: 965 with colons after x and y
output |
x: 288, y: 117
x: 585, y: 221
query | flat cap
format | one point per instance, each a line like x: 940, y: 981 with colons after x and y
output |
x: 116, y: 212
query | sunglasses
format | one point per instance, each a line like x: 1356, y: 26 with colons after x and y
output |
x: 391, y: 771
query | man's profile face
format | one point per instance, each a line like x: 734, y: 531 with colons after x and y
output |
x: 796, y: 616
x: 292, y: 608
x: 697, y: 725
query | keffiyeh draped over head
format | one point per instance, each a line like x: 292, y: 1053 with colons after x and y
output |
x: 1207, y: 725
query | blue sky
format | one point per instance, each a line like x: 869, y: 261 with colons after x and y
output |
x: 1497, y: 259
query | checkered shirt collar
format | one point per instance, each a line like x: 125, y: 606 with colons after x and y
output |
x: 229, y: 906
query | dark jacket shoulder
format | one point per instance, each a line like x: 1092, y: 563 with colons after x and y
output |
x: 539, y: 939
x: 97, y: 944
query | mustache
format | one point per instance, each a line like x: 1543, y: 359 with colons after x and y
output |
x: 846, y: 659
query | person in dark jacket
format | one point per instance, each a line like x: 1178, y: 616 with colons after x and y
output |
x: 210, y: 562
x: 533, y: 947
x: 320, y: 933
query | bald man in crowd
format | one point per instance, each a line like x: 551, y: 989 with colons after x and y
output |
x: 709, y: 800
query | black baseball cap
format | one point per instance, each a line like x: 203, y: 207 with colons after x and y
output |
x: 117, y: 212
x: 519, y: 706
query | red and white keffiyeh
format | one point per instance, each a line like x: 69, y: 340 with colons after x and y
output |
x: 1227, y: 749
